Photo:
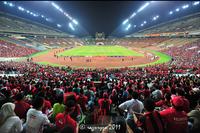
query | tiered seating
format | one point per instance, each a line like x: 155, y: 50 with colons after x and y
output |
x: 12, y: 50
x: 14, y: 24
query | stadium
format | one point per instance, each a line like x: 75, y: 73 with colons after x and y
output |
x: 99, y: 67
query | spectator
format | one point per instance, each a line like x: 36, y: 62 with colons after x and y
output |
x: 9, y: 122
x: 64, y: 119
x: 36, y: 120
x: 21, y: 107
x: 152, y: 121
x: 174, y: 117
x: 133, y: 105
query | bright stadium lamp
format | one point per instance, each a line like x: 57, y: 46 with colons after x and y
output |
x: 196, y: 3
x: 142, y: 25
x: 5, y: 3
x: 135, y: 26
x: 143, y: 7
x: 128, y: 27
x: 71, y: 26
x: 177, y: 9
x: 20, y: 8
x: 170, y: 12
x: 133, y: 15
x: 75, y: 22
x: 11, y: 5
x: 185, y: 6
x: 125, y: 21
x: 58, y: 25
x: 145, y: 22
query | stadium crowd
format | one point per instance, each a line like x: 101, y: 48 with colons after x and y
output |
x: 12, y: 50
x: 51, y: 99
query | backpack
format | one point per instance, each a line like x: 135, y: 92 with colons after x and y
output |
x: 153, y: 123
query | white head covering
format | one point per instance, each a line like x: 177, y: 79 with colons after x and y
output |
x: 7, y: 110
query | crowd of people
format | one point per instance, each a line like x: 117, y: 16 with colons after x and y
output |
x: 52, y: 99
x: 162, y: 98
x: 8, y: 49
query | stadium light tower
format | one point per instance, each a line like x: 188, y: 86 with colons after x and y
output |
x: 128, y: 27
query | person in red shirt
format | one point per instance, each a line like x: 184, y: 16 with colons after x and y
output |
x: 104, y: 103
x: 63, y: 119
x: 82, y: 100
x: 164, y: 104
x: 21, y: 107
x: 174, y: 117
x: 186, y: 105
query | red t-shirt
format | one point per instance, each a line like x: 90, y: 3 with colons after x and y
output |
x: 47, y: 105
x: 21, y: 108
x: 62, y: 120
x: 176, y: 121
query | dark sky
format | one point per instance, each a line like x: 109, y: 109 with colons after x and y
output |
x: 101, y: 16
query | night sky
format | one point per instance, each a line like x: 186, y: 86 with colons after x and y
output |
x: 101, y: 16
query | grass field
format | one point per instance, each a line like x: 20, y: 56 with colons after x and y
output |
x: 100, y: 51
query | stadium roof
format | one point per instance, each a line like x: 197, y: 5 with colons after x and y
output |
x: 85, y: 18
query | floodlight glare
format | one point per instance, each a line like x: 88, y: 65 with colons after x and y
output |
x: 133, y: 15
x: 145, y: 22
x: 42, y: 16
x: 11, y: 4
x: 27, y: 11
x: 177, y: 9
x: 128, y: 27
x: 135, y: 26
x: 58, y: 25
x: 144, y: 6
x: 75, y: 22
x: 5, y: 3
x: 71, y: 26
x: 170, y: 12
x: 185, y: 6
x: 20, y: 8
x: 142, y: 24
x: 196, y: 3
x: 125, y: 21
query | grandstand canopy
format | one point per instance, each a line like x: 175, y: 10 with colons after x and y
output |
x: 100, y: 16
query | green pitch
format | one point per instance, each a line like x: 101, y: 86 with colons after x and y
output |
x: 100, y: 51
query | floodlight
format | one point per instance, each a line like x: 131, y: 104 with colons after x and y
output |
x: 185, y: 6
x: 132, y: 15
x: 142, y: 24
x: 58, y: 25
x: 27, y: 11
x: 144, y: 6
x: 128, y: 27
x: 11, y: 4
x: 75, y: 22
x: 5, y: 3
x: 125, y: 21
x: 71, y: 26
x: 20, y: 8
x: 145, y: 22
x: 177, y: 9
x: 42, y: 16
x: 135, y: 26
x: 170, y: 12
x: 196, y: 3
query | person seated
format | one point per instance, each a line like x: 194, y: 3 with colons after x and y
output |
x: 36, y: 120
x: 21, y: 107
x: 9, y: 122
